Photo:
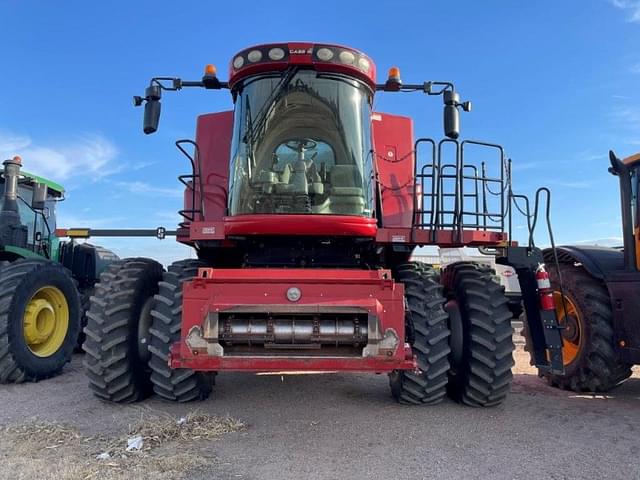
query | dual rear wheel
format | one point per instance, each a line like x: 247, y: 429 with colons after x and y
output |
x: 134, y: 318
x: 459, y: 326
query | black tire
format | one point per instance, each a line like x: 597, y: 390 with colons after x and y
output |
x: 19, y: 282
x: 482, y: 343
x: 427, y: 332
x: 85, y: 304
x: 116, y: 342
x: 596, y: 367
x: 179, y: 385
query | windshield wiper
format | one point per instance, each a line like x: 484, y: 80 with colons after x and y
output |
x: 261, y: 117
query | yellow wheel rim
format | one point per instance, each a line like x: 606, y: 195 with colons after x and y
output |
x: 569, y: 317
x: 46, y: 321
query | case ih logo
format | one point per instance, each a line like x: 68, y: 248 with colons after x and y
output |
x: 300, y: 51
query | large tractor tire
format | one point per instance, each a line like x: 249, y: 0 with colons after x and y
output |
x: 117, y: 332
x: 179, y: 385
x: 427, y: 333
x: 39, y: 319
x: 588, y: 340
x: 85, y: 304
x: 481, y: 335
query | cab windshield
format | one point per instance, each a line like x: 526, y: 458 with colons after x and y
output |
x: 301, y: 144
x: 44, y: 224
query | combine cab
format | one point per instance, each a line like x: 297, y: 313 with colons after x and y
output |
x: 304, y: 207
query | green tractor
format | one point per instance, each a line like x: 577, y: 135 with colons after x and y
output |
x: 45, y: 283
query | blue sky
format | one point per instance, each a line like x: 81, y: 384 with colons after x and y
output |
x: 555, y: 82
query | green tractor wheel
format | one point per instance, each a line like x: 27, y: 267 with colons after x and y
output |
x: 39, y: 319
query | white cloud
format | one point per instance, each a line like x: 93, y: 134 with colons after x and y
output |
x: 576, y: 184
x: 69, y: 220
x: 631, y: 7
x: 602, y: 242
x: 170, y: 216
x: 140, y: 165
x: 143, y: 188
x: 86, y: 155
x: 522, y: 166
x: 11, y: 145
x: 626, y: 119
x: 627, y: 114
x: 589, y: 156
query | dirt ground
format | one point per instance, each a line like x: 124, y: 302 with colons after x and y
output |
x: 311, y: 426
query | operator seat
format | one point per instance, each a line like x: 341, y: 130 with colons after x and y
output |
x: 346, y: 197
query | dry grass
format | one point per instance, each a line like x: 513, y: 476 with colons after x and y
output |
x: 43, y: 450
x: 161, y: 429
x: 48, y: 434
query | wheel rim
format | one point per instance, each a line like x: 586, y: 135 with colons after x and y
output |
x: 46, y: 321
x: 569, y: 318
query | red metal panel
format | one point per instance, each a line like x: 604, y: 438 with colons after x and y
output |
x: 443, y: 238
x: 218, y: 290
x: 292, y: 364
x: 395, y: 160
x: 329, y: 225
x: 213, y: 136
x: 327, y: 276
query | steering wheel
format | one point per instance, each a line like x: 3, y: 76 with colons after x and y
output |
x: 299, y: 144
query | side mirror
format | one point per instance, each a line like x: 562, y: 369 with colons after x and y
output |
x: 451, y: 121
x: 151, y: 109
x: 617, y: 165
x: 39, y: 197
x: 451, y: 114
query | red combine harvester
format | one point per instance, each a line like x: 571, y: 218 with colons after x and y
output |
x: 304, y: 207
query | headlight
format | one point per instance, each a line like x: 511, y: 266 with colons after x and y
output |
x: 254, y: 56
x: 324, y: 54
x: 276, y: 54
x: 347, y: 57
x: 238, y: 62
x: 364, y: 64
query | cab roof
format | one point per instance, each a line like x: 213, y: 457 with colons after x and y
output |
x: 633, y: 159
x: 322, y: 57
x: 26, y: 178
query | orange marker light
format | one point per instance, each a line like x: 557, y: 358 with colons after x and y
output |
x: 394, y: 73
x: 210, y: 69
x: 17, y: 159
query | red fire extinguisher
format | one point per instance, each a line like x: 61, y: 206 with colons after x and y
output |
x: 545, y: 293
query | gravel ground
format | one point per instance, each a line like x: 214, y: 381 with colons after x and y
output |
x: 347, y: 426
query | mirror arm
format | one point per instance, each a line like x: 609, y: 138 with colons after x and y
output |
x: 450, y: 98
x: 425, y: 87
x: 153, y: 94
x: 209, y: 82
